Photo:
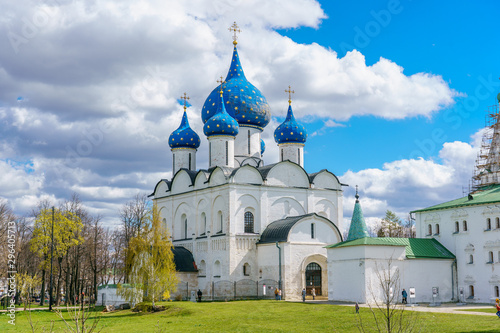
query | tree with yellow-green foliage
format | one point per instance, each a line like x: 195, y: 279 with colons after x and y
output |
x: 26, y: 284
x: 150, y: 263
x: 67, y: 233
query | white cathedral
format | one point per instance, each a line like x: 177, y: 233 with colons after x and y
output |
x: 277, y: 225
x: 235, y: 217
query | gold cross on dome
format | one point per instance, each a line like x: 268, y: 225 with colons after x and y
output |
x: 235, y: 29
x: 290, y: 92
x: 221, y: 82
x: 185, y: 98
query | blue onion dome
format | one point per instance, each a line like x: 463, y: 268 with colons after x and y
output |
x: 244, y: 102
x: 221, y: 123
x: 262, y: 147
x: 184, y: 136
x: 290, y: 131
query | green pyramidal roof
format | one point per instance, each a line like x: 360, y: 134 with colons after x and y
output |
x: 486, y: 195
x: 415, y: 248
x: 358, y: 226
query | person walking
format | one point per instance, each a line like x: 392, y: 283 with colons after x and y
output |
x: 276, y: 293
x: 405, y: 295
x: 357, y: 307
x: 313, y: 293
x: 304, y: 295
x: 497, y: 305
x: 199, y: 295
x: 279, y: 294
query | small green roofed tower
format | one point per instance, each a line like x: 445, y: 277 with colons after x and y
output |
x: 358, y: 226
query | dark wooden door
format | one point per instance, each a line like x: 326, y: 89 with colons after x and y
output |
x: 313, y: 278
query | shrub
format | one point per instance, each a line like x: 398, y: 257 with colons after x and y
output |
x: 148, y: 307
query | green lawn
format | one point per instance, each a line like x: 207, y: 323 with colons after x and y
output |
x: 489, y: 310
x: 254, y: 316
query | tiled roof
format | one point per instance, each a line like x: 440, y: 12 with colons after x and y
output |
x: 488, y: 195
x: 416, y: 248
x: 278, y: 231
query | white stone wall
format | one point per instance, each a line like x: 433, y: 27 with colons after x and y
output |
x: 285, y: 192
x: 293, y: 152
x: 217, y: 146
x: 242, y: 141
x: 353, y: 274
x: 477, y: 242
x: 181, y: 159
x: 110, y: 297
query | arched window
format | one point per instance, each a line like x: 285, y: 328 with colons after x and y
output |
x: 313, y: 231
x: 164, y: 221
x: 465, y: 225
x: 471, y: 259
x: 203, y: 222
x: 185, y: 228
x: 471, y: 291
x: 246, y: 269
x: 202, y: 267
x: 282, y: 154
x: 490, y: 257
x: 210, y: 153
x: 437, y: 229
x: 248, y: 144
x: 298, y: 155
x: 217, y: 269
x: 220, y: 220
x: 173, y: 162
x: 249, y: 222
x: 429, y: 229
x: 457, y: 226
x: 227, y: 153
x: 189, y: 166
x: 497, y: 223
x: 497, y: 293
x: 488, y: 224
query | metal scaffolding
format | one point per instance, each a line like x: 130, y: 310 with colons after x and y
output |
x: 487, y: 169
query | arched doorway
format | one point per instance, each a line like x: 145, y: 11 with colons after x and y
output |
x: 313, y: 278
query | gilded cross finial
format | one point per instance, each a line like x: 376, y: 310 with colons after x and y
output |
x: 235, y: 29
x: 290, y: 92
x: 357, y: 196
x: 185, y: 98
x: 221, y: 82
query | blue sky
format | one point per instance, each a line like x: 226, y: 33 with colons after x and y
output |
x: 393, y: 93
x: 454, y: 39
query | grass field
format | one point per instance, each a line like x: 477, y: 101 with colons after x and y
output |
x: 253, y: 316
x: 485, y: 310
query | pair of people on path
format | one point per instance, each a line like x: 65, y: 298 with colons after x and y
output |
x: 277, y: 294
x: 304, y: 292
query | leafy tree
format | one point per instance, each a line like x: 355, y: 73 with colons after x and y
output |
x: 26, y: 285
x: 390, y: 226
x: 150, y: 262
x: 67, y: 227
